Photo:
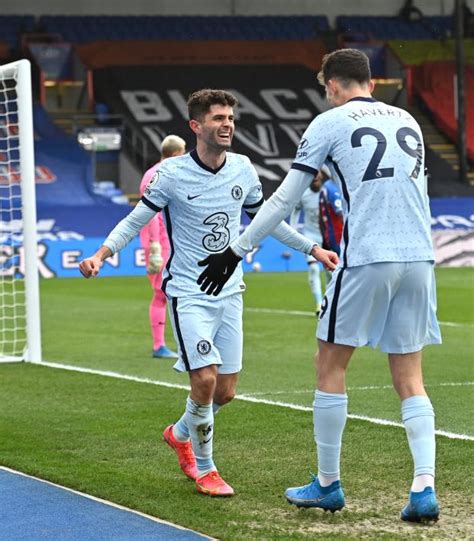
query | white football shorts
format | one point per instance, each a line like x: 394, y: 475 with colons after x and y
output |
x: 208, y: 331
x: 387, y: 305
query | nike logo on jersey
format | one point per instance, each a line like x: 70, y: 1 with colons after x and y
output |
x: 190, y: 197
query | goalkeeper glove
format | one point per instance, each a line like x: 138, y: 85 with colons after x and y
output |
x: 155, y: 262
x: 218, y: 271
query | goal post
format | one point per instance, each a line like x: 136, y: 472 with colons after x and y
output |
x: 20, y: 334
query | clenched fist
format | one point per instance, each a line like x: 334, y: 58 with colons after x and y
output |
x: 155, y: 262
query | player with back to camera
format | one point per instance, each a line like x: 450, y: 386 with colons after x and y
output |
x: 202, y: 195
x: 155, y: 242
x: 309, y: 204
x: 383, y: 291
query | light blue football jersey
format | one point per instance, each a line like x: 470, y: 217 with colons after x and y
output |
x: 202, y: 209
x: 375, y: 152
x: 309, y: 204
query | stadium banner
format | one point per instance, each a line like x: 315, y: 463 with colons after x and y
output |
x: 276, y: 104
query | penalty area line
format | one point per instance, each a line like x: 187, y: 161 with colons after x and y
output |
x: 242, y: 397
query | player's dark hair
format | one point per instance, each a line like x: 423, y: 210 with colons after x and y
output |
x: 348, y: 66
x: 200, y: 102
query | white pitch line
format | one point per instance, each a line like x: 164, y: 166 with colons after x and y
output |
x: 243, y: 397
x: 278, y: 311
x: 365, y: 388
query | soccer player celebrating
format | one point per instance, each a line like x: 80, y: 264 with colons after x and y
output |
x: 309, y: 204
x: 383, y: 291
x: 154, y: 240
x: 202, y: 195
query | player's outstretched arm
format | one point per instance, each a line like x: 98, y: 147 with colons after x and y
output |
x: 326, y: 257
x: 118, y: 238
x: 91, y: 265
x: 219, y: 268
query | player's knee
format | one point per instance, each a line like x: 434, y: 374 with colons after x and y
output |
x: 224, y: 397
x: 406, y: 388
x: 203, y: 384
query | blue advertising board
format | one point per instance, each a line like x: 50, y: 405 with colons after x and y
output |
x: 68, y: 234
x: 61, y: 258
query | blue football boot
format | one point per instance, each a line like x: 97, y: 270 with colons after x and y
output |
x: 329, y: 498
x: 164, y: 353
x: 421, y: 507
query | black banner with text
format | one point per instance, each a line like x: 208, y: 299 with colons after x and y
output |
x: 276, y: 104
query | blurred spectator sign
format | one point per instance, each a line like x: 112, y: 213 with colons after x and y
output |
x: 54, y: 59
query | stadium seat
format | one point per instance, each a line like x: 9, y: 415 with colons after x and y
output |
x: 12, y: 26
x: 81, y: 29
x: 395, y: 27
x: 435, y: 86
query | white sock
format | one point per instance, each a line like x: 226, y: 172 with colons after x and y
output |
x: 315, y: 283
x: 420, y: 482
x: 329, y: 414
x: 418, y: 418
x: 200, y: 423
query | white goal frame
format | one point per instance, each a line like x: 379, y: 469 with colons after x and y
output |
x: 21, y: 71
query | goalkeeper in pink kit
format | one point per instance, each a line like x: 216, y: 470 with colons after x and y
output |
x: 154, y: 240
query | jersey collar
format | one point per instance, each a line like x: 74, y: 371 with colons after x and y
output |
x: 362, y: 98
x: 197, y: 159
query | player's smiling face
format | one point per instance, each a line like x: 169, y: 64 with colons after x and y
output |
x: 216, y: 129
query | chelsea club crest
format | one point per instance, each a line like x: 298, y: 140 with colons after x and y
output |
x: 237, y: 192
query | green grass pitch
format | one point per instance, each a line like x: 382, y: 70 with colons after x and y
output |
x: 102, y: 435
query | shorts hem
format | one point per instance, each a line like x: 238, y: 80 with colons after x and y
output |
x: 181, y: 367
x: 400, y: 350
x: 409, y: 349
x: 343, y: 342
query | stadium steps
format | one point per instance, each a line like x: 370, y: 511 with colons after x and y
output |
x: 470, y: 177
x: 65, y: 120
x: 437, y: 141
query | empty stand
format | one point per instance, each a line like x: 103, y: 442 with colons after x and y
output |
x: 435, y: 86
x: 384, y: 28
x: 81, y: 29
x: 12, y: 26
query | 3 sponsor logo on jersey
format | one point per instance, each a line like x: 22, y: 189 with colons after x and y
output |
x: 237, y: 192
x: 203, y: 347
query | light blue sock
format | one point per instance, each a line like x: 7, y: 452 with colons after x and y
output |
x: 329, y: 415
x: 180, y: 428
x: 418, y: 418
x: 200, y: 422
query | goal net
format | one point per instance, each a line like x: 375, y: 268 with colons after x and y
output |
x: 19, y: 288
